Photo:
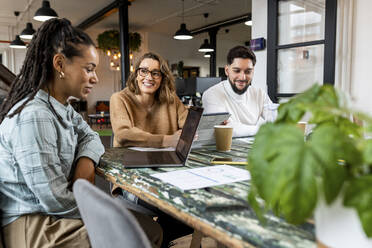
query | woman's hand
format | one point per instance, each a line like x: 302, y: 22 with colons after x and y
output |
x: 171, y: 140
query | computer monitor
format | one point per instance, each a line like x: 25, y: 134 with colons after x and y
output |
x: 189, y: 86
x: 180, y: 87
x: 204, y: 83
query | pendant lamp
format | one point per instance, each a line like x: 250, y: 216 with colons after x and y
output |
x: 183, y: 33
x: 205, y: 47
x: 17, y: 43
x: 207, y: 54
x: 28, y: 32
x: 248, y: 23
x: 45, y: 12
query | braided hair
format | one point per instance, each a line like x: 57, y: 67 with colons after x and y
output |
x: 54, y: 36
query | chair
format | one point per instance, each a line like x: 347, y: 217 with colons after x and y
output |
x: 108, y: 222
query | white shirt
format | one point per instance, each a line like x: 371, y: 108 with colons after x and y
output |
x: 248, y: 111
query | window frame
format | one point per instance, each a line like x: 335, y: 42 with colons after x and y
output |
x: 329, y: 43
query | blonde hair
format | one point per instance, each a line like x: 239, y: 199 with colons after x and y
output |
x: 167, y: 88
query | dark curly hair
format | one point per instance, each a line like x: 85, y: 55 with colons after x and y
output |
x: 54, y: 36
x: 240, y: 52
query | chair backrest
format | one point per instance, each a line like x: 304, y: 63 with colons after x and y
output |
x: 108, y: 222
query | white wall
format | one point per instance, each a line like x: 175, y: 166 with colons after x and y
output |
x: 13, y: 58
x: 361, y: 56
x: 259, y: 29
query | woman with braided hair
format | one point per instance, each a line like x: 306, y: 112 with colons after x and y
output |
x: 44, y: 144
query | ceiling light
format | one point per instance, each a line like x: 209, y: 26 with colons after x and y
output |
x: 45, y: 12
x: 17, y: 43
x: 28, y: 32
x: 183, y: 33
x: 248, y: 23
x: 205, y: 47
x: 207, y: 55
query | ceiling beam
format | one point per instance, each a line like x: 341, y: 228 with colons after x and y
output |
x: 221, y: 24
x: 98, y: 16
x: 101, y: 14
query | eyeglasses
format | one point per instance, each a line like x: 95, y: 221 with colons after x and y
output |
x: 155, y: 74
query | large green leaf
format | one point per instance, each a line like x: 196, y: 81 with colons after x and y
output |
x: 320, y: 108
x: 293, y: 110
x: 330, y: 146
x: 252, y: 199
x: 368, y: 151
x: 283, y: 168
x: 358, y: 194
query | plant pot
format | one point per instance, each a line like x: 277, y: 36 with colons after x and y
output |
x: 338, y: 226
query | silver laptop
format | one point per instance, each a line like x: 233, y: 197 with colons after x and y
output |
x: 142, y: 159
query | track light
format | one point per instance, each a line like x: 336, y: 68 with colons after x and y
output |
x: 45, y: 12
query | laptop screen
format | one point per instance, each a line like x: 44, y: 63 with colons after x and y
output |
x: 188, y: 132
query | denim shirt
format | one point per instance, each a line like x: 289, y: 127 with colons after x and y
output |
x: 38, y: 153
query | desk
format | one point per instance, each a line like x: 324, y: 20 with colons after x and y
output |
x: 235, y: 226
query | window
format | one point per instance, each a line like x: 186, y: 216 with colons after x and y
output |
x: 300, y: 45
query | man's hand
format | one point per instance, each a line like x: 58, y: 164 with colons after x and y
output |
x: 84, y: 169
x: 171, y: 140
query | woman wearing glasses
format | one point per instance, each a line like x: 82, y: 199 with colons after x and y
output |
x: 147, y: 112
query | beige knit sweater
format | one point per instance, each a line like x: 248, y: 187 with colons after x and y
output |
x: 134, y: 125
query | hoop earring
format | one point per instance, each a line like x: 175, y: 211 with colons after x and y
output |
x: 61, y: 75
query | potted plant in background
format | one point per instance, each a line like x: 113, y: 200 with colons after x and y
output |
x: 180, y: 69
x: 330, y: 170
x: 110, y: 41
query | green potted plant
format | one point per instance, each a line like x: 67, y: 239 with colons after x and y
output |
x: 110, y: 41
x: 294, y: 176
x: 180, y: 69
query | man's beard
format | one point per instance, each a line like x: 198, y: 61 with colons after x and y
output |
x: 238, y: 91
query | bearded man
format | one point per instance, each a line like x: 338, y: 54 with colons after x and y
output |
x: 249, y: 107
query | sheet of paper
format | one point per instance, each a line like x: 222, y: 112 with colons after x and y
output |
x: 249, y: 140
x: 204, y: 177
x: 151, y: 149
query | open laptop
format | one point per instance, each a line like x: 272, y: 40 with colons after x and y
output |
x: 137, y: 159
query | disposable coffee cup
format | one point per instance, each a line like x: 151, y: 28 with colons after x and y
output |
x: 223, y: 136
x: 302, y: 126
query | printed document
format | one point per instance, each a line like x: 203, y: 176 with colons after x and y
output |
x: 204, y: 177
